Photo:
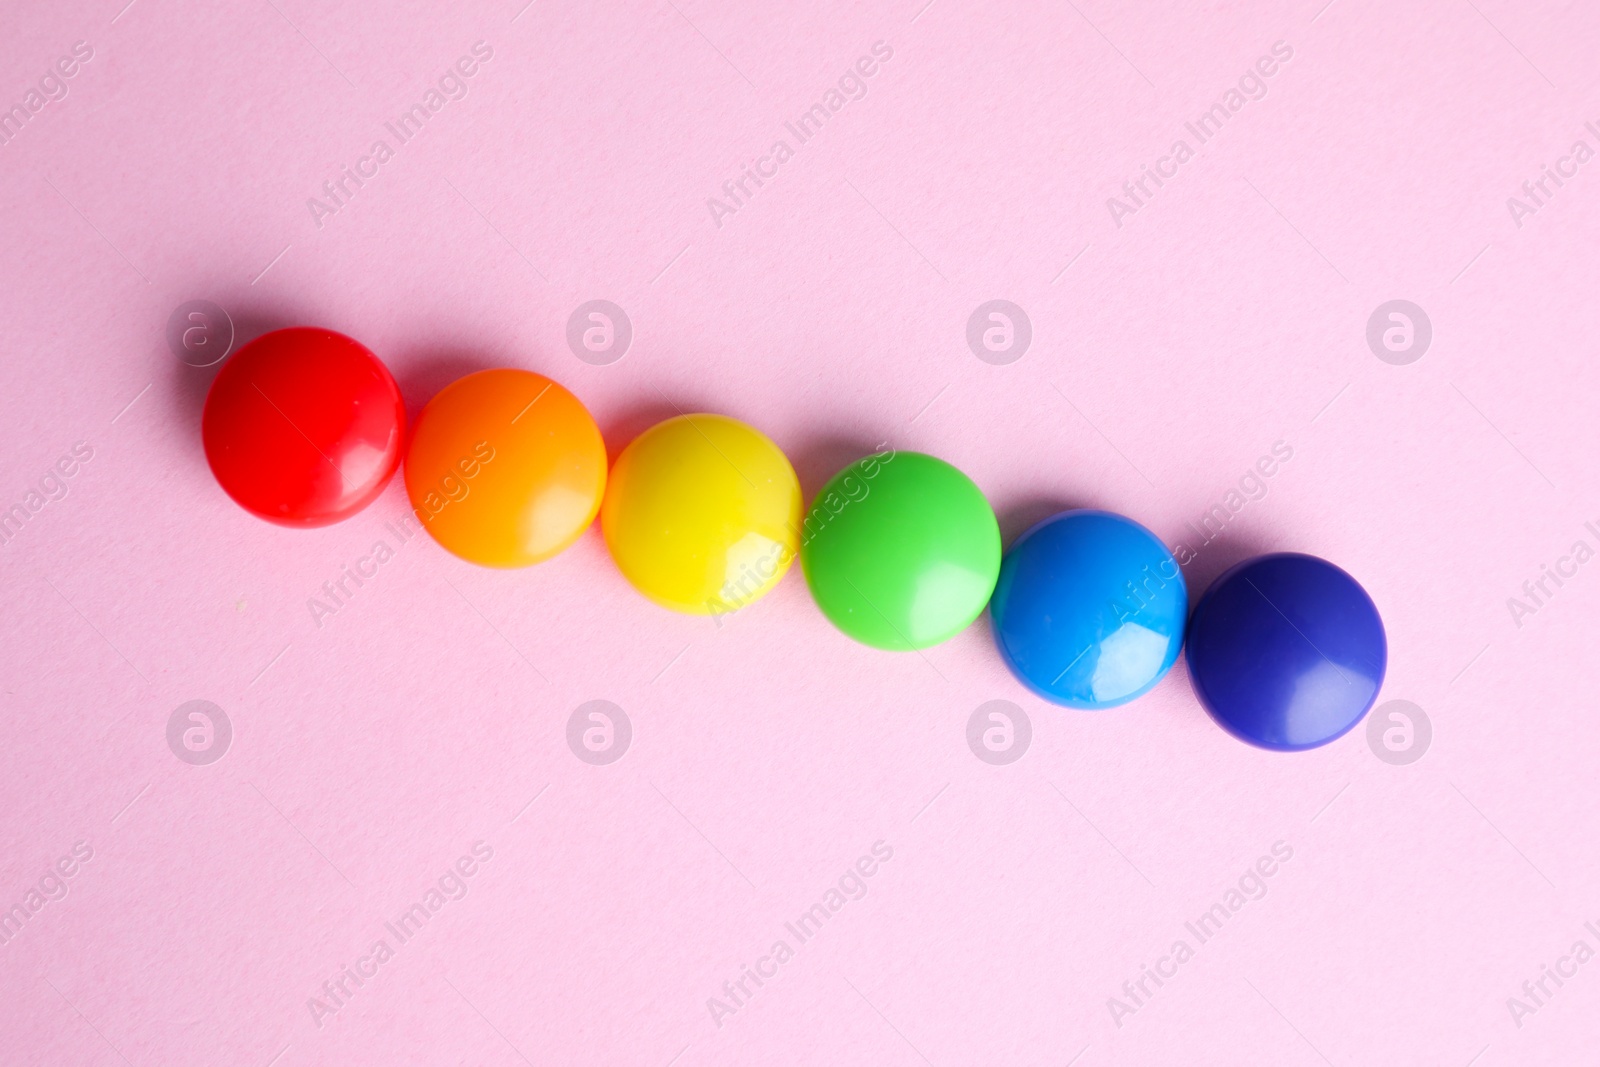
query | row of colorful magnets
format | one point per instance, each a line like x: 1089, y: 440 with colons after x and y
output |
x: 703, y: 514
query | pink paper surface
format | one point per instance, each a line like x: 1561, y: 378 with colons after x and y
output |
x: 1176, y: 339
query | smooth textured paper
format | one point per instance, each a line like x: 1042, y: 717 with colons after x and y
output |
x: 1180, y: 333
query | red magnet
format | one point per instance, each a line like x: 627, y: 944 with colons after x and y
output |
x: 303, y: 427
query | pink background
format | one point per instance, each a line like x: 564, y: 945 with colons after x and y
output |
x: 1227, y: 314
